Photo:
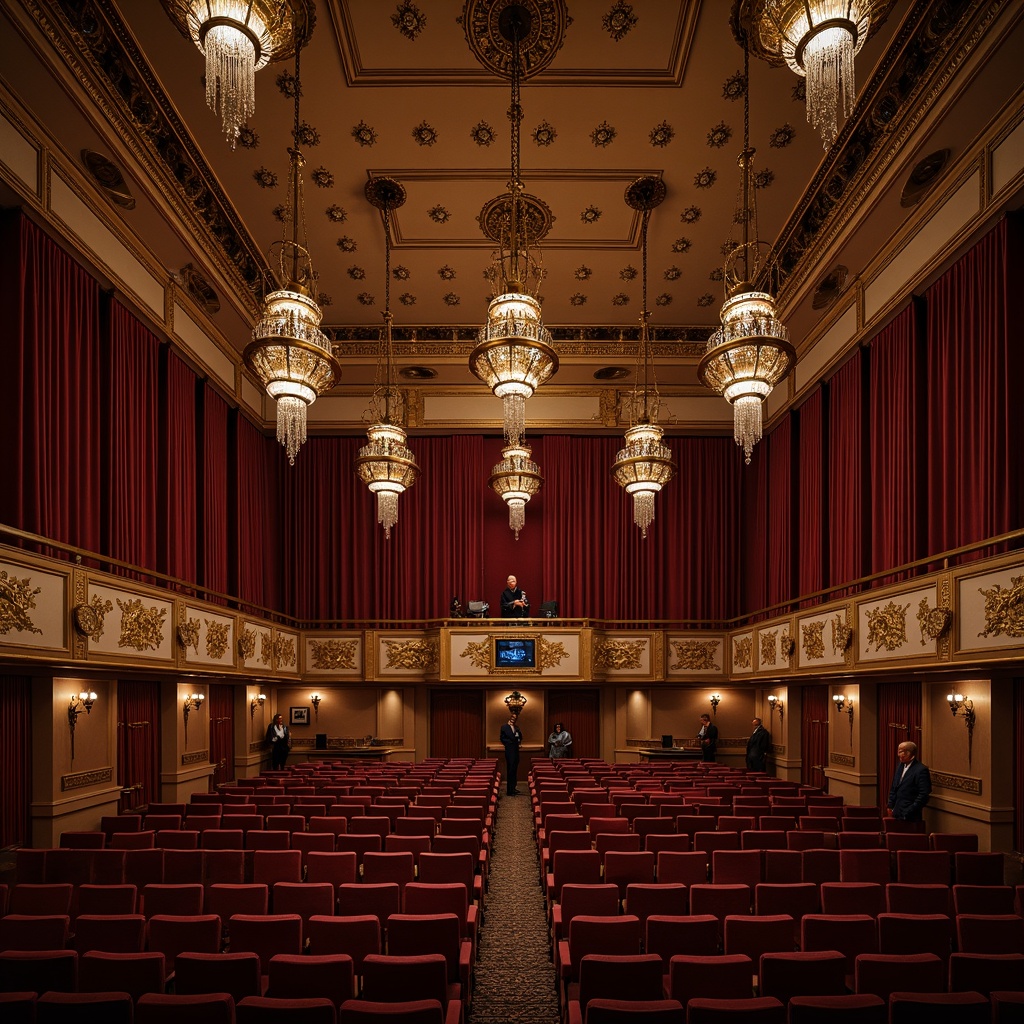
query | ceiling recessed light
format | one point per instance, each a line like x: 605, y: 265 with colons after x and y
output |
x: 611, y: 373
x: 417, y: 373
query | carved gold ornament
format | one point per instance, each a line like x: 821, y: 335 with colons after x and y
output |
x: 411, y: 654
x: 284, y: 650
x: 16, y: 599
x: 550, y: 653
x: 266, y: 649
x: 842, y: 634
x: 1004, y: 609
x: 479, y: 654
x: 141, y: 628
x: 768, y: 646
x: 618, y: 654
x: 933, y: 621
x: 188, y: 634
x: 88, y: 618
x: 216, y: 638
x: 247, y: 643
x: 887, y: 626
x: 742, y: 650
x: 334, y: 654
x: 695, y: 655
x: 813, y: 641
x: 788, y: 645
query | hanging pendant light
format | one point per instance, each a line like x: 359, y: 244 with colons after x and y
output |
x: 237, y: 38
x: 514, y: 354
x: 645, y: 465
x: 289, y: 354
x: 750, y: 353
x: 516, y: 479
x: 385, y: 464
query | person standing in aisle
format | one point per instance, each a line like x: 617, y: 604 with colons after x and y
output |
x: 511, y: 739
x: 757, y: 747
x: 707, y: 737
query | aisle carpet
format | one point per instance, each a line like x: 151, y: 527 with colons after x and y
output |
x: 514, y: 973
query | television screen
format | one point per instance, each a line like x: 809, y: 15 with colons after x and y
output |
x: 513, y: 653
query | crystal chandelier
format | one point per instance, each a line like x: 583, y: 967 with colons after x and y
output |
x: 289, y: 354
x: 750, y: 352
x: 384, y: 463
x: 645, y: 465
x: 238, y: 37
x: 818, y: 39
x: 514, y: 355
x: 516, y: 479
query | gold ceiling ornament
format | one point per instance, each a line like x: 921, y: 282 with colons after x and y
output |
x: 238, y: 37
x: 818, y: 40
x: 750, y: 353
x: 645, y: 465
x: 289, y: 354
x: 514, y: 353
x: 516, y: 479
x: 385, y: 464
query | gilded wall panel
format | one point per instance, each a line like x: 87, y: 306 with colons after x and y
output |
x: 32, y: 607
x: 990, y: 610
x: 898, y: 626
x: 205, y: 638
x: 824, y: 639
x: 741, y: 653
x: 774, y: 648
x: 695, y: 654
x: 336, y: 656
x: 286, y: 652
x: 132, y: 624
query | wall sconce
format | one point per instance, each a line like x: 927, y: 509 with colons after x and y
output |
x: 515, y: 702
x: 83, y: 702
x: 964, y: 707
x: 257, y: 702
x: 193, y: 702
x: 716, y: 699
x: 315, y: 701
x: 843, y: 702
x: 776, y: 704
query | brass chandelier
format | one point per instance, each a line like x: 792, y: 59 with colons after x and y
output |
x: 645, y: 465
x: 289, y: 354
x: 238, y: 37
x: 516, y: 479
x: 384, y: 463
x: 514, y: 354
x: 750, y: 352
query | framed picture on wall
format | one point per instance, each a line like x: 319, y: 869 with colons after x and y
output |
x: 298, y: 716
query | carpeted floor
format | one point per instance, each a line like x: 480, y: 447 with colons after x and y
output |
x: 515, y: 979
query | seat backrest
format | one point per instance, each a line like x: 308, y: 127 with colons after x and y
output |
x: 705, y: 977
x: 418, y: 934
x: 356, y: 935
x: 266, y: 935
x: 135, y: 973
x: 604, y: 976
x: 616, y: 936
x: 403, y: 977
x: 784, y: 975
x: 881, y: 974
x: 110, y: 933
x: 34, y: 932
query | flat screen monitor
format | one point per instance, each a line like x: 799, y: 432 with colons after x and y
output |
x: 512, y: 652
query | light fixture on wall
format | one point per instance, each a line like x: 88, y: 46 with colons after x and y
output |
x: 315, y: 699
x: 193, y: 702
x: 716, y: 699
x: 963, y: 707
x: 842, y: 702
x: 818, y: 40
x: 289, y: 354
x: 257, y: 702
x: 516, y: 479
x: 385, y: 464
x: 514, y: 354
x: 776, y: 704
x: 515, y: 702
x: 238, y: 37
x: 81, y: 704
x: 645, y: 465
x: 750, y: 353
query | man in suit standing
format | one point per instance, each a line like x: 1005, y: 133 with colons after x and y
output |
x: 911, y: 785
x: 757, y: 747
x: 511, y: 739
x: 707, y: 738
x: 513, y: 600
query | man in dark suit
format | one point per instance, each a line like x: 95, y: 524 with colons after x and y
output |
x: 513, y: 600
x: 511, y: 739
x: 911, y: 785
x: 707, y: 738
x: 757, y: 747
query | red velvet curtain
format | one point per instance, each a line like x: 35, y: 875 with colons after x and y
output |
x: 180, y: 511
x: 811, y: 504
x: 138, y: 742
x: 50, y: 417
x: 975, y: 361
x: 16, y: 762
x: 457, y: 723
x: 847, y: 475
x: 757, y: 530
x: 579, y: 710
x: 781, y: 517
x: 221, y: 705
x: 257, y: 517
x: 895, y: 370
x: 130, y: 438
x: 814, y: 735
x: 1018, y: 764
x: 899, y: 719
x: 214, y: 469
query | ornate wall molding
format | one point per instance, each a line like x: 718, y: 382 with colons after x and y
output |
x: 195, y: 757
x: 846, y: 760
x: 93, y: 777
x: 960, y: 783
